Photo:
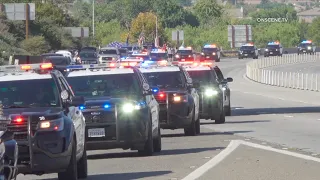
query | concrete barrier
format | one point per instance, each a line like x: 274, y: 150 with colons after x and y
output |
x: 304, y: 81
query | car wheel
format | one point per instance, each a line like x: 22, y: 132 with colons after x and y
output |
x: 198, y: 126
x: 83, y: 164
x: 148, y: 146
x: 191, y: 130
x: 71, y: 171
x: 222, y: 118
x: 157, y: 144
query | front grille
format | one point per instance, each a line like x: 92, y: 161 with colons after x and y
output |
x: 106, y: 58
x: 89, y: 62
x: 103, y: 117
x: 20, y: 130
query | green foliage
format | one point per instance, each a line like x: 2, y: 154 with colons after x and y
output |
x: 313, y: 31
x: 108, y: 32
x: 35, y: 45
x: 207, y: 10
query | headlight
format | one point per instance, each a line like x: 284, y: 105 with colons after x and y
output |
x: 309, y: 47
x: 177, y: 56
x: 51, y: 125
x: 214, y: 53
x: 179, y: 98
x: 266, y: 49
x: 202, y: 53
x: 224, y: 88
x: 129, y: 108
x: 210, y: 92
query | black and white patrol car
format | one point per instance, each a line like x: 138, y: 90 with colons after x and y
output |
x: 177, y: 97
x: 45, y: 119
x: 210, y: 92
x: 119, y: 108
x: 248, y: 51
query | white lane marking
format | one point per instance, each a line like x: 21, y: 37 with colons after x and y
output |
x: 213, y: 162
x: 234, y: 144
x: 281, y: 99
x: 288, y: 116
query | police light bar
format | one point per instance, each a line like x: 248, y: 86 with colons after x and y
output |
x: 307, y: 41
x: 26, y: 67
x: 210, y: 46
x: 135, y: 59
x: 274, y: 43
x: 158, y: 51
x: 154, y: 64
x: 93, y: 66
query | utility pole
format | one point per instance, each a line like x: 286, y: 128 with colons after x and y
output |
x: 27, y: 20
x: 157, y: 40
x: 93, y: 18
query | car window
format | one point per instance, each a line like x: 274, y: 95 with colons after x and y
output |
x: 88, y: 55
x: 187, y: 52
x: 165, y: 79
x: 30, y: 93
x: 118, y: 85
x: 204, y: 78
x: 209, y: 50
x: 108, y: 51
x: 219, y: 74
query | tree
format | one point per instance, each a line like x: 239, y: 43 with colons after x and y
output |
x: 108, y: 32
x: 35, y: 45
x: 207, y: 10
x: 313, y: 31
x: 145, y: 23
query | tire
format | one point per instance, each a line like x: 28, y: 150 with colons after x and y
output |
x: 222, y: 118
x: 227, y: 109
x: 157, y: 144
x: 148, y: 146
x: 198, y: 129
x: 82, y: 165
x: 71, y: 171
x: 191, y: 130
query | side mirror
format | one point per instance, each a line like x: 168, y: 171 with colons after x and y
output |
x: 77, y: 101
x: 229, y: 79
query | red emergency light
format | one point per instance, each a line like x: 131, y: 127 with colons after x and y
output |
x: 18, y: 120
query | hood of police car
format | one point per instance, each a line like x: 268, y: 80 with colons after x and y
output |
x: 34, y: 111
x: 100, y: 101
x: 173, y: 90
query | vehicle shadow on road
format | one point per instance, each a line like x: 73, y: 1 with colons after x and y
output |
x: 286, y: 110
x: 236, y: 122
x: 124, y: 176
x: 205, y: 134
x: 164, y: 152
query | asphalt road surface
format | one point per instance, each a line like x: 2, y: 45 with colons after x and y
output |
x: 273, y: 134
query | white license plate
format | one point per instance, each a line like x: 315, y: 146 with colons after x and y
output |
x: 246, y: 55
x: 99, y: 132
x: 183, y: 59
x: 271, y: 52
x: 208, y: 56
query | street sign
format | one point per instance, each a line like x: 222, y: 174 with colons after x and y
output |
x: 239, y: 34
x: 175, y: 36
x: 78, y: 31
x: 18, y: 11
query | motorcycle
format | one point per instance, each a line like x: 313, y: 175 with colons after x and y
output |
x: 8, y: 152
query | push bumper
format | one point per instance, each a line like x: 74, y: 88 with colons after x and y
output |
x: 246, y: 55
x: 272, y: 53
x: 305, y: 51
x: 175, y: 116
x: 209, y: 108
x: 126, y: 131
x: 46, y: 152
x: 210, y: 57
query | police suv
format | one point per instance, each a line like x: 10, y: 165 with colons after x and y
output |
x: 273, y: 49
x: 248, y: 51
x: 109, y: 54
x: 306, y: 47
x: 119, y: 108
x: 210, y: 52
x: 177, y: 97
x: 143, y: 55
x: 45, y: 119
x: 184, y: 54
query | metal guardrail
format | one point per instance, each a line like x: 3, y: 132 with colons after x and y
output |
x: 255, y: 70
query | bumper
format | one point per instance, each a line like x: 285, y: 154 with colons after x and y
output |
x: 305, y: 51
x: 249, y: 55
x: 126, y: 131
x: 209, y: 108
x: 272, y: 53
x: 185, y: 59
x: 211, y: 57
x: 175, y: 116
x: 46, y: 152
x: 89, y: 62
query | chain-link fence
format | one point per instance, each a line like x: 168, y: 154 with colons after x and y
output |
x: 255, y: 70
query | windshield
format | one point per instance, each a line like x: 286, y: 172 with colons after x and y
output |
x: 165, y: 79
x: 247, y: 48
x: 156, y: 56
x: 29, y: 93
x: 273, y: 46
x: 303, y: 45
x: 203, y: 77
x: 108, y: 51
x: 58, y: 60
x: 187, y: 52
x: 209, y: 50
x: 88, y: 55
x: 118, y: 85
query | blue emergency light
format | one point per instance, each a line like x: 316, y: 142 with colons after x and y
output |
x: 82, y: 107
x: 106, y: 106
x: 306, y: 41
x: 155, y: 90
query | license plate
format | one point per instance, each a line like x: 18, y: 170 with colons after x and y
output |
x: 183, y: 59
x: 304, y: 51
x: 98, y: 132
x: 246, y: 55
x: 271, y: 52
x: 208, y: 56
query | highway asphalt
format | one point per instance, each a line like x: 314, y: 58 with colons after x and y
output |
x: 285, y: 119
